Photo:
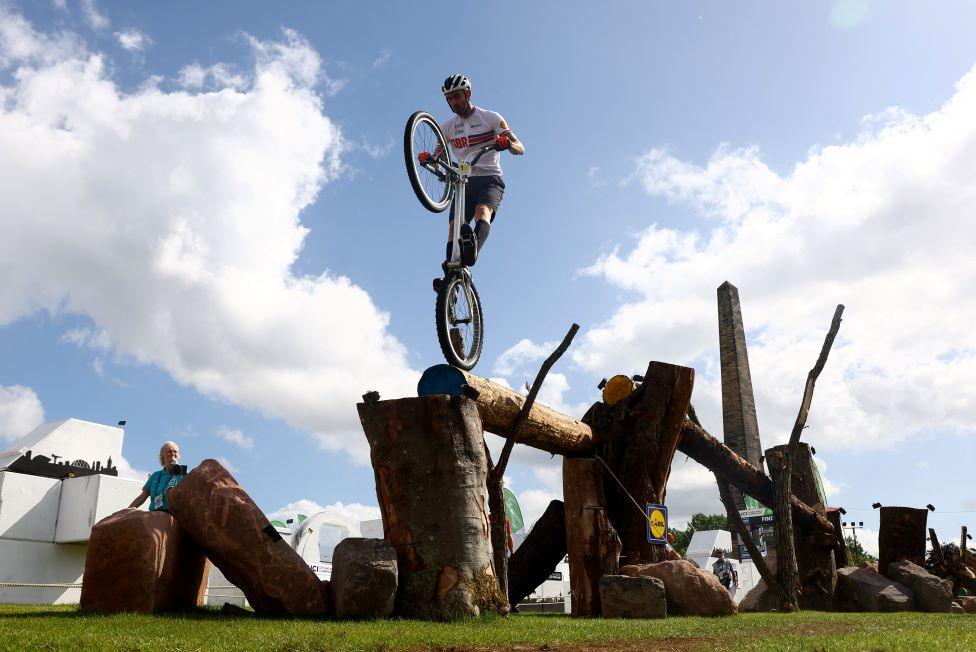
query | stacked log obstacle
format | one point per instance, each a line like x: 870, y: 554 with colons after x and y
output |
x: 618, y: 458
x: 816, y: 563
x: 902, y: 535
x: 559, y: 434
x: 428, y: 457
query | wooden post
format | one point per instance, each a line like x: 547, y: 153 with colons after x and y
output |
x: 902, y: 536
x: 429, y: 462
x: 591, y: 541
x: 638, y: 437
x: 540, y: 553
x: 816, y: 565
x: 840, y: 550
x: 937, y: 551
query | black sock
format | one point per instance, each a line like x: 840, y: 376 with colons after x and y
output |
x: 481, y: 230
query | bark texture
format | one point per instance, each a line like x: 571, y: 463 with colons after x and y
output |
x: 429, y: 462
x: 816, y: 564
x: 715, y: 456
x: 592, y: 543
x: 637, y: 438
x: 539, y: 554
x: 901, y: 536
x: 544, y: 428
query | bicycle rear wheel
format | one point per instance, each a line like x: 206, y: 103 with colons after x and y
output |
x: 431, y: 187
x: 460, y: 326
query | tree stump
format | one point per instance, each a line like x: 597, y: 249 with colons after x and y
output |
x: 840, y: 550
x: 815, y: 560
x: 638, y: 437
x: 901, y: 536
x: 591, y: 542
x: 540, y: 553
x: 429, y: 462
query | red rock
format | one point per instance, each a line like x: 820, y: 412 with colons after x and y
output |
x: 143, y: 562
x: 238, y: 538
x: 690, y: 590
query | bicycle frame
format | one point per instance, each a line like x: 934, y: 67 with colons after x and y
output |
x: 458, y: 180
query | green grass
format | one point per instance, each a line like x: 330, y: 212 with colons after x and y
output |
x: 44, y: 627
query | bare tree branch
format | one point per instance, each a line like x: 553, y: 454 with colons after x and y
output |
x: 787, y: 572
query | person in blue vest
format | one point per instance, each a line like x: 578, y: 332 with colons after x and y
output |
x: 159, y: 483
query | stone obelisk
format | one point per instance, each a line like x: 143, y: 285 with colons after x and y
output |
x: 741, y: 428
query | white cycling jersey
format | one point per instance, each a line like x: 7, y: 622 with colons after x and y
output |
x: 467, y: 135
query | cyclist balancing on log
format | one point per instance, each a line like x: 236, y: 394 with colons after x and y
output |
x: 472, y: 128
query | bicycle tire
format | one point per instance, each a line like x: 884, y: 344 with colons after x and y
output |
x: 468, y: 357
x: 434, y: 195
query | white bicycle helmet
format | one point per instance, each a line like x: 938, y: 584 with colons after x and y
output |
x: 456, y: 83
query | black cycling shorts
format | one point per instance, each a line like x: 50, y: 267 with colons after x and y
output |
x: 483, y: 190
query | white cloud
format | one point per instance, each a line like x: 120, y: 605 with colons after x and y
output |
x: 878, y: 224
x: 176, y: 224
x: 376, y: 151
x: 235, y: 437
x: 520, y: 355
x: 382, y: 59
x: 20, y: 412
x: 219, y: 75
x: 126, y: 470
x: 133, y: 40
x: 93, y: 17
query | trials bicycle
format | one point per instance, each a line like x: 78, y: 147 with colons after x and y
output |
x: 438, y: 180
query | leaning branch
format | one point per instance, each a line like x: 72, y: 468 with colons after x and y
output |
x: 496, y: 472
x: 785, y: 551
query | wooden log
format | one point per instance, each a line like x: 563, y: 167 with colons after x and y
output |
x: 715, y: 456
x: 428, y: 458
x: 840, y: 550
x: 540, y: 553
x: 901, y: 536
x: 591, y: 542
x: 544, y: 428
x: 937, y: 551
x: 559, y: 434
x: 637, y: 438
x: 816, y: 565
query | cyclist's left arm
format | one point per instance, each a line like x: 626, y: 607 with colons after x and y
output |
x: 507, y: 137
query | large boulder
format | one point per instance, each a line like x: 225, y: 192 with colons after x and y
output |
x: 690, y: 590
x: 622, y: 596
x: 237, y: 537
x: 143, y: 562
x: 760, y: 598
x: 967, y: 602
x: 872, y: 591
x: 364, y: 578
x: 932, y: 593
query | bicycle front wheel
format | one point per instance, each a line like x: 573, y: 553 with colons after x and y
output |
x: 430, y: 184
x: 460, y: 326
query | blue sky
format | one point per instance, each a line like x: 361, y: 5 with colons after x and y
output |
x: 210, y: 232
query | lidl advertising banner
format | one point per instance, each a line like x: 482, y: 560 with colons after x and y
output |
x: 657, y: 523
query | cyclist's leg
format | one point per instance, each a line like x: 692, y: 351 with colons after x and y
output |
x: 483, y: 214
x: 489, y: 199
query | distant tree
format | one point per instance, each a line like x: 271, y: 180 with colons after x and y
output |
x: 856, y: 551
x: 698, y: 523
